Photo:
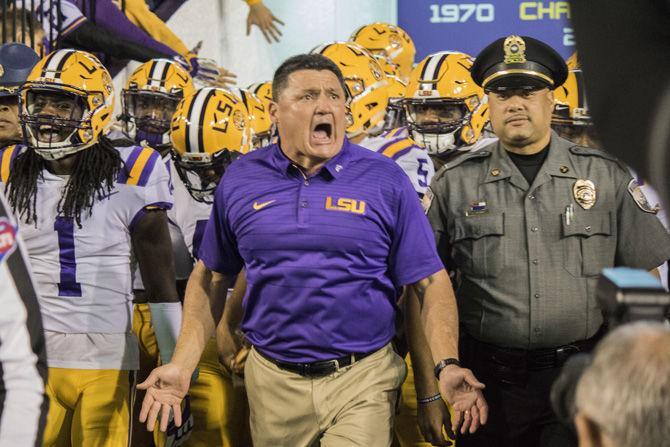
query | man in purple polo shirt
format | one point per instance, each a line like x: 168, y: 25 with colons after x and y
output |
x: 329, y: 233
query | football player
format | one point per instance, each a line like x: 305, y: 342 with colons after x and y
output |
x: 389, y: 41
x: 368, y: 91
x: 446, y: 111
x: 571, y: 118
x: 148, y: 101
x: 210, y: 129
x: 84, y: 205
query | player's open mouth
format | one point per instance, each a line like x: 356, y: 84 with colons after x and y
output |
x: 48, y: 133
x: 322, y: 133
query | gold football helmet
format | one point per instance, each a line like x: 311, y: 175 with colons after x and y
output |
x: 259, y: 118
x: 209, y: 130
x: 66, y: 103
x: 571, y: 118
x: 389, y: 41
x: 445, y: 108
x: 367, y: 86
x: 150, y: 98
x: 263, y: 90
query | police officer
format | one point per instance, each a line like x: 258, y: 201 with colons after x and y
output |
x: 527, y: 224
x: 16, y: 62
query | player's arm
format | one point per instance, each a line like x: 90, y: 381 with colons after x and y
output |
x: 167, y: 385
x: 153, y: 250
x: 439, y: 317
x: 432, y: 415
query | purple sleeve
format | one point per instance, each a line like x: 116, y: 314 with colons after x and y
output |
x: 108, y: 16
x: 218, y: 248
x: 413, y: 253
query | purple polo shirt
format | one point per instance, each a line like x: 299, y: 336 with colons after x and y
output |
x: 324, y: 256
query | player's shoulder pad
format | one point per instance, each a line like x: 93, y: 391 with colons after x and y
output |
x: 398, y: 147
x: 139, y: 163
x: 466, y: 157
x: 7, y: 156
x: 591, y: 152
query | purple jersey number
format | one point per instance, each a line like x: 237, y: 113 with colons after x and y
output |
x: 68, y: 285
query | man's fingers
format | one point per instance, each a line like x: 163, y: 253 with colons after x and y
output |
x: 265, y: 34
x: 176, y: 411
x: 248, y: 26
x: 472, y: 380
x: 483, y: 409
x: 150, y: 381
x: 466, y: 421
x: 275, y: 19
x: 153, y: 415
x: 474, y: 425
x: 165, y: 417
x: 272, y: 33
x: 146, y: 406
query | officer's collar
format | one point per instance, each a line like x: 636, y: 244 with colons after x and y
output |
x: 334, y: 167
x: 557, y: 164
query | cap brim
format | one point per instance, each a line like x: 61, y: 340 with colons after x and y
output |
x: 515, y: 82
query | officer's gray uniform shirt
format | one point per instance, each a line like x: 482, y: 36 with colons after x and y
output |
x: 528, y: 258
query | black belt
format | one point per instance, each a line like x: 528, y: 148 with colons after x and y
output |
x: 320, y: 368
x: 535, y: 359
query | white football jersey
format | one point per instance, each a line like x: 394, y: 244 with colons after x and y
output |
x: 413, y: 159
x: 84, y: 274
x: 190, y: 216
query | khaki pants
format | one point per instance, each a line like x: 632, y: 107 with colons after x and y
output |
x: 354, y: 406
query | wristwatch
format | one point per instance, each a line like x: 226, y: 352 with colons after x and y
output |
x: 443, y: 364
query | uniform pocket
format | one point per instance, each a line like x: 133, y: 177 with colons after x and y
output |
x: 477, y: 244
x: 588, y: 244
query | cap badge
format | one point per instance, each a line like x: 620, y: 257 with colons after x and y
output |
x: 584, y: 192
x: 515, y: 50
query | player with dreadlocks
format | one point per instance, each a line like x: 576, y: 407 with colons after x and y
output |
x: 83, y: 206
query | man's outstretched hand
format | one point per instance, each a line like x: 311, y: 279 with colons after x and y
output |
x: 463, y: 391
x: 165, y: 388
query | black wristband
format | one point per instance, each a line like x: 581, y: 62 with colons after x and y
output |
x: 443, y: 364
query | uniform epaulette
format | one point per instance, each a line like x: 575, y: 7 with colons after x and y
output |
x: 471, y: 155
x: 7, y: 156
x: 138, y: 166
x: 591, y: 152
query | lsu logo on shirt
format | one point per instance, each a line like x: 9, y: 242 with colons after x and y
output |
x: 346, y: 205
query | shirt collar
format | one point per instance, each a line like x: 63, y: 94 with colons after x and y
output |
x: 557, y: 163
x: 335, y: 166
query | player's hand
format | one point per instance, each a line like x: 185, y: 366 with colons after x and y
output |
x: 463, y: 392
x: 176, y: 436
x: 261, y: 16
x: 433, y: 419
x: 240, y: 359
x: 165, y: 388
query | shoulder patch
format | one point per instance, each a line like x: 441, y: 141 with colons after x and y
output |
x: 138, y: 166
x: 635, y: 190
x: 7, y: 157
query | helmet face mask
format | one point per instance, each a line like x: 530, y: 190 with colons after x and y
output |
x: 52, y: 119
x: 150, y: 98
x: 445, y: 109
x: 201, y: 173
x: 66, y: 103
x: 209, y: 130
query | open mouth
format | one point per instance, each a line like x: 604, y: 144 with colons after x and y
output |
x: 49, y: 133
x: 322, y: 133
